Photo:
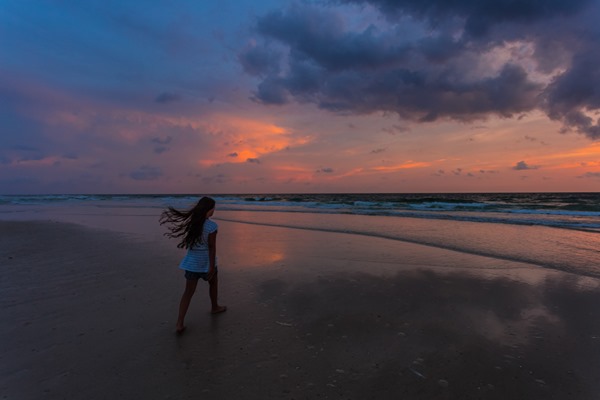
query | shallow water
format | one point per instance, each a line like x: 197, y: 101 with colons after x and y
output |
x: 571, y: 250
x: 561, y: 249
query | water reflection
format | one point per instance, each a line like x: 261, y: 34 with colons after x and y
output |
x: 482, y: 338
x: 244, y: 246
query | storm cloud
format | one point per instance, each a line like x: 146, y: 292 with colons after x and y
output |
x: 430, y: 60
x: 288, y: 96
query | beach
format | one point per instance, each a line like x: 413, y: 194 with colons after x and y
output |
x: 89, y: 309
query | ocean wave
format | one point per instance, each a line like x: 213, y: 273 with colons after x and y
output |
x: 559, y: 210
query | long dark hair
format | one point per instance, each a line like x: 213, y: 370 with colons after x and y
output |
x: 187, y: 224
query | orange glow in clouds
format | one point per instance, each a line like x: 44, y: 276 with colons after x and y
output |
x: 588, y: 156
x: 406, y: 165
x: 285, y: 173
x: 243, y: 138
x: 593, y: 150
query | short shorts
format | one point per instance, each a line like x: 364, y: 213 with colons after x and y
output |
x: 194, y: 276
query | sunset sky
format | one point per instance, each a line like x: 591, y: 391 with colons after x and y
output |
x: 132, y: 96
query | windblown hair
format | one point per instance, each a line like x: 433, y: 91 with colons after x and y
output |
x: 187, y: 225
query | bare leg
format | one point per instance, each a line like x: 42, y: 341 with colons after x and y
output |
x: 213, y: 291
x: 184, y: 304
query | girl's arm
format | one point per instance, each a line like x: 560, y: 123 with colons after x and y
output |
x: 212, y: 254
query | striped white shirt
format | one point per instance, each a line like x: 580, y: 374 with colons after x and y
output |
x: 196, y: 259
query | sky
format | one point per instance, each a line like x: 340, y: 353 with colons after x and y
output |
x: 277, y: 96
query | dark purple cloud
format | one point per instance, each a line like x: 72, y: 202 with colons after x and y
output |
x: 260, y: 61
x: 167, y: 97
x: 325, y: 170
x: 577, y: 91
x: 162, y: 144
x: 479, y: 16
x: 424, y: 61
x: 161, y: 149
x: 523, y: 166
x: 592, y: 175
x: 163, y: 141
x: 319, y: 35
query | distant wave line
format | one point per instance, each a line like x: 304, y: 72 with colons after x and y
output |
x: 582, y: 227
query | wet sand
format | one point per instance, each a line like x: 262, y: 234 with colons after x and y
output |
x: 90, y: 314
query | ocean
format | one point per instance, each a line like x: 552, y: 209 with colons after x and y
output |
x: 559, y: 231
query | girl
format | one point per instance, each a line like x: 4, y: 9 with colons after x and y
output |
x: 199, y: 236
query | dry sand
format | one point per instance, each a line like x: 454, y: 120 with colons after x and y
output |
x: 90, y: 314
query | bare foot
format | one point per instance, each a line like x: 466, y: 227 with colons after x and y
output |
x: 180, y: 330
x: 218, y: 310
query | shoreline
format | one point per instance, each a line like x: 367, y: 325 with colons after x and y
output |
x: 567, y: 250
x: 88, y: 313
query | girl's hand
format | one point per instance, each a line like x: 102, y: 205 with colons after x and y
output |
x: 211, y: 274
